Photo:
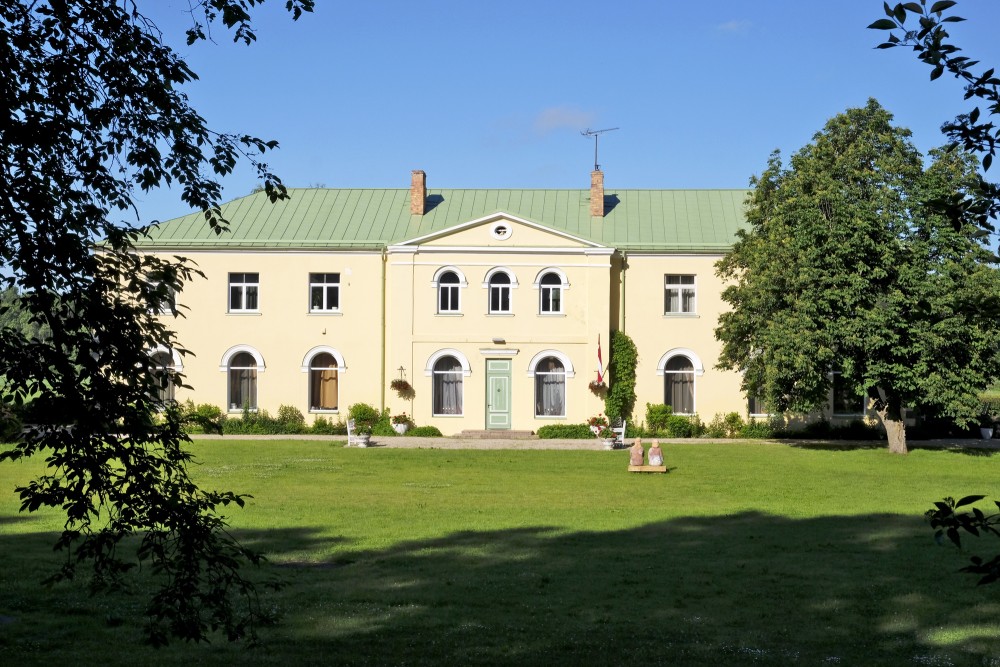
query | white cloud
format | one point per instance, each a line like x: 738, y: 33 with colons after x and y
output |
x: 735, y: 27
x: 557, y: 118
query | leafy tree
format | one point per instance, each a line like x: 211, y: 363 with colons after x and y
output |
x: 977, y: 133
x: 94, y: 110
x: 847, y: 268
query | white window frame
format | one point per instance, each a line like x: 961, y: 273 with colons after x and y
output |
x: 431, y: 373
x: 699, y: 370
x: 539, y: 374
x: 678, y: 289
x: 457, y: 287
x: 224, y: 366
x: 501, y: 288
x: 244, y: 286
x: 168, y: 371
x: 543, y: 289
x: 324, y: 284
x: 306, y: 367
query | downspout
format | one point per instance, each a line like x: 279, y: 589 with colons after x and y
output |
x: 382, y: 356
x: 621, y: 295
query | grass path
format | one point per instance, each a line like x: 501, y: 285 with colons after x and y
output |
x: 742, y: 554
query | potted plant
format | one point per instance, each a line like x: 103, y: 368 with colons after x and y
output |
x: 597, y: 387
x: 402, y: 387
x: 608, y: 436
x: 986, y: 426
x: 401, y: 423
x: 364, y: 433
x: 597, y: 423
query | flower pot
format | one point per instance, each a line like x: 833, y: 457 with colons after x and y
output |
x: 400, y: 428
x: 595, y: 429
x: 363, y: 439
x: 986, y: 432
x: 609, y: 443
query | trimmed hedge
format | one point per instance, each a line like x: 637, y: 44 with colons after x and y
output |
x: 570, y: 431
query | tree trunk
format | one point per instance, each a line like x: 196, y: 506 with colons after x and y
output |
x: 889, y: 408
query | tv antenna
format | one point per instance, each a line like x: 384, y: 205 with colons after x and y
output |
x: 595, y: 133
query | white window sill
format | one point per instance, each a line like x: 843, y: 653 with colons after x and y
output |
x: 450, y: 314
x: 552, y: 314
x: 673, y: 315
x: 317, y: 411
x: 550, y: 416
x: 499, y: 314
x: 325, y: 312
x: 447, y: 416
x: 244, y: 312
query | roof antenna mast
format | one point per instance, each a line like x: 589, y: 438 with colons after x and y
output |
x: 595, y: 133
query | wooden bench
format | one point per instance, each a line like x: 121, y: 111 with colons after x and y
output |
x: 647, y: 468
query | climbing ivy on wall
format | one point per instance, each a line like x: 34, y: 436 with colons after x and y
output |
x: 621, y: 393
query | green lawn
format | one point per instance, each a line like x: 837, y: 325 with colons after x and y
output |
x: 742, y: 554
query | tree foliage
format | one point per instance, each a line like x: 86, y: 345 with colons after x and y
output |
x: 847, y: 267
x: 975, y: 132
x: 927, y: 34
x: 93, y: 112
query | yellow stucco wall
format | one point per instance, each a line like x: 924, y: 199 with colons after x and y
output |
x: 389, y: 319
x: 657, y: 334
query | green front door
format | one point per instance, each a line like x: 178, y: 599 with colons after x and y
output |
x: 498, y: 393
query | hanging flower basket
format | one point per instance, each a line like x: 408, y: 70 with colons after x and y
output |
x: 597, y: 387
x: 402, y: 387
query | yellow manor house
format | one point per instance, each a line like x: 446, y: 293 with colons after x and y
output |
x: 491, y: 304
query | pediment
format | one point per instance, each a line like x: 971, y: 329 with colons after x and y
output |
x: 499, y: 231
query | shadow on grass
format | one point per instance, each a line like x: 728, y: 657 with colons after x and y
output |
x: 749, y: 588
x: 711, y: 590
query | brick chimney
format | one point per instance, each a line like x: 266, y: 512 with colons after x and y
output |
x: 597, y: 193
x: 418, y: 192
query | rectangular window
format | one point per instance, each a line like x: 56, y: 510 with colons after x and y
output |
x: 163, y: 300
x: 846, y: 399
x: 243, y: 290
x: 678, y: 294
x: 755, y: 406
x: 324, y: 292
x: 499, y: 298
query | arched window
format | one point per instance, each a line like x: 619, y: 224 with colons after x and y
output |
x: 550, y: 293
x: 550, y: 388
x: 678, y: 385
x: 242, y: 381
x: 499, y: 292
x: 447, y: 389
x: 448, y: 301
x: 163, y: 373
x: 323, y: 383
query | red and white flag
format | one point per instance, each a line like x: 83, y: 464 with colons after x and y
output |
x: 600, y: 362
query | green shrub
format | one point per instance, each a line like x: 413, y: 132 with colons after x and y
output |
x: 682, y: 427
x: 291, y: 419
x: 656, y: 416
x: 425, y: 432
x: 323, y: 426
x: 758, y: 429
x: 577, y: 431
x: 251, y: 422
x: 201, y: 418
x: 10, y: 423
x: 725, y: 426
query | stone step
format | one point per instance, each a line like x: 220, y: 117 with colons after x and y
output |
x: 499, y: 435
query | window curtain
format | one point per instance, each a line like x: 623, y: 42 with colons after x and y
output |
x: 324, y: 389
x: 679, y: 392
x: 550, y: 392
x: 448, y: 393
x: 243, y: 388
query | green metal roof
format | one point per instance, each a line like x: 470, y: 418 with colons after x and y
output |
x: 635, y: 220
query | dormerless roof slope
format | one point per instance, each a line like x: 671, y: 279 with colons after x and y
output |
x: 634, y: 220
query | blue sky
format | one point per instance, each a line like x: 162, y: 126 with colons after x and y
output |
x: 495, y: 94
